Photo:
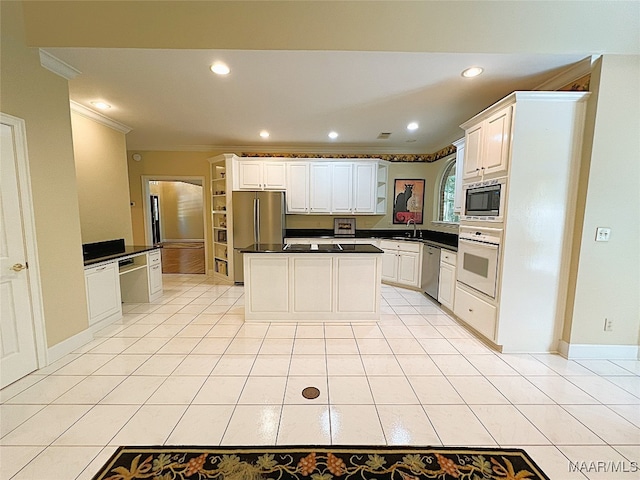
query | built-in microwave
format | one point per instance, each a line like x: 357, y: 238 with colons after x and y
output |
x: 484, y: 201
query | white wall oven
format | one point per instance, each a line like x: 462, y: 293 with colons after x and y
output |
x: 484, y: 201
x: 478, y: 258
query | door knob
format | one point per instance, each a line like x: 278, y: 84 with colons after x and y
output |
x: 18, y: 267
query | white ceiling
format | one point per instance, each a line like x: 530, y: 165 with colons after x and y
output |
x: 172, y: 101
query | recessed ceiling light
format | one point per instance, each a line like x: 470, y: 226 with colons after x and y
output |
x: 333, y: 135
x: 412, y: 126
x: 264, y: 134
x: 220, y: 68
x: 472, y: 72
x: 101, y: 105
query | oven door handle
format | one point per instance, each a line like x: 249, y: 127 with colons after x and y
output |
x: 475, y: 243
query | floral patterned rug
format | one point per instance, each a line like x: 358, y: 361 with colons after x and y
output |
x: 319, y: 463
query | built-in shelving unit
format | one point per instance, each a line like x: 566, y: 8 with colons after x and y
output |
x: 220, y: 216
x: 381, y: 189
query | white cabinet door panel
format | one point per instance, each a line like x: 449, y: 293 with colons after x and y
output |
x: 273, y: 275
x: 341, y: 187
x: 316, y: 271
x: 497, y: 139
x: 297, y: 188
x: 408, y: 268
x: 364, y: 192
x: 250, y: 175
x: 357, y: 285
x: 155, y: 279
x: 473, y: 152
x: 446, y: 287
x: 390, y: 266
x: 103, y: 292
x: 320, y: 191
x: 274, y: 176
x: 475, y: 312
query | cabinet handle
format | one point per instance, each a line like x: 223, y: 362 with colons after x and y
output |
x: 100, y: 269
x: 155, y: 267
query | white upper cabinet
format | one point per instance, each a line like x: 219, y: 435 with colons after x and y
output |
x: 297, y: 193
x: 342, y: 187
x: 364, y: 187
x: 487, y: 144
x: 320, y: 187
x: 458, y: 200
x: 260, y: 175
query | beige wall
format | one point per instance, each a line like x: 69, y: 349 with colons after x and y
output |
x: 103, y: 183
x: 41, y: 98
x: 606, y: 276
x: 396, y: 26
x: 181, y: 210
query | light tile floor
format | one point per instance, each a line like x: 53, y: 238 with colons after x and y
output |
x: 188, y: 370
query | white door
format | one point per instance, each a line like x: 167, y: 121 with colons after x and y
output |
x: 18, y: 355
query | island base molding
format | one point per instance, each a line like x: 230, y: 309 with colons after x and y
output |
x: 312, y: 287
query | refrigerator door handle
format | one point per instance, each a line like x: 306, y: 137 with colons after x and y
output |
x: 256, y: 221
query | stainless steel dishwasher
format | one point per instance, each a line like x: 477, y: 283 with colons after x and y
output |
x: 430, y: 271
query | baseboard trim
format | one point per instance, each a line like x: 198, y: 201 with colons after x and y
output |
x: 598, y: 352
x: 59, y: 350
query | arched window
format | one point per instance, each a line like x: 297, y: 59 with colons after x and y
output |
x: 447, y: 194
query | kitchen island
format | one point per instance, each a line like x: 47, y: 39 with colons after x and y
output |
x: 318, y: 282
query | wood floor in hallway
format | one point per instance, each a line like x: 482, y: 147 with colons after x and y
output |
x: 183, y: 257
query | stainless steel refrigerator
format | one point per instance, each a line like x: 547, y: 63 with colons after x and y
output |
x: 258, y: 217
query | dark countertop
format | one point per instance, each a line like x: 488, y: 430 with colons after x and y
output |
x: 322, y: 248
x: 128, y: 250
x: 444, y: 240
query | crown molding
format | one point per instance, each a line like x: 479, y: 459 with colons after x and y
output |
x: 98, y: 117
x: 57, y: 66
x: 574, y: 72
x: 294, y: 152
x: 315, y: 149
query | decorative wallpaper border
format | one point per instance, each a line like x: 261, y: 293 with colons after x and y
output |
x: 391, y: 157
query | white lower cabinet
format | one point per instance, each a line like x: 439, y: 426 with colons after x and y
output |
x: 447, y: 284
x: 155, y: 275
x: 475, y: 312
x: 401, y: 262
x: 108, y: 286
x: 103, y: 292
x: 312, y: 287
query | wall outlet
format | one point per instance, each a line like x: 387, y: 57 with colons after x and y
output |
x: 608, y: 325
x: 603, y: 234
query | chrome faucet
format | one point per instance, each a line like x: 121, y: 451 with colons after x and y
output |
x: 414, y: 226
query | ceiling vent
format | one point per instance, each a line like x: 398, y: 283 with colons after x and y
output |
x: 384, y: 135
